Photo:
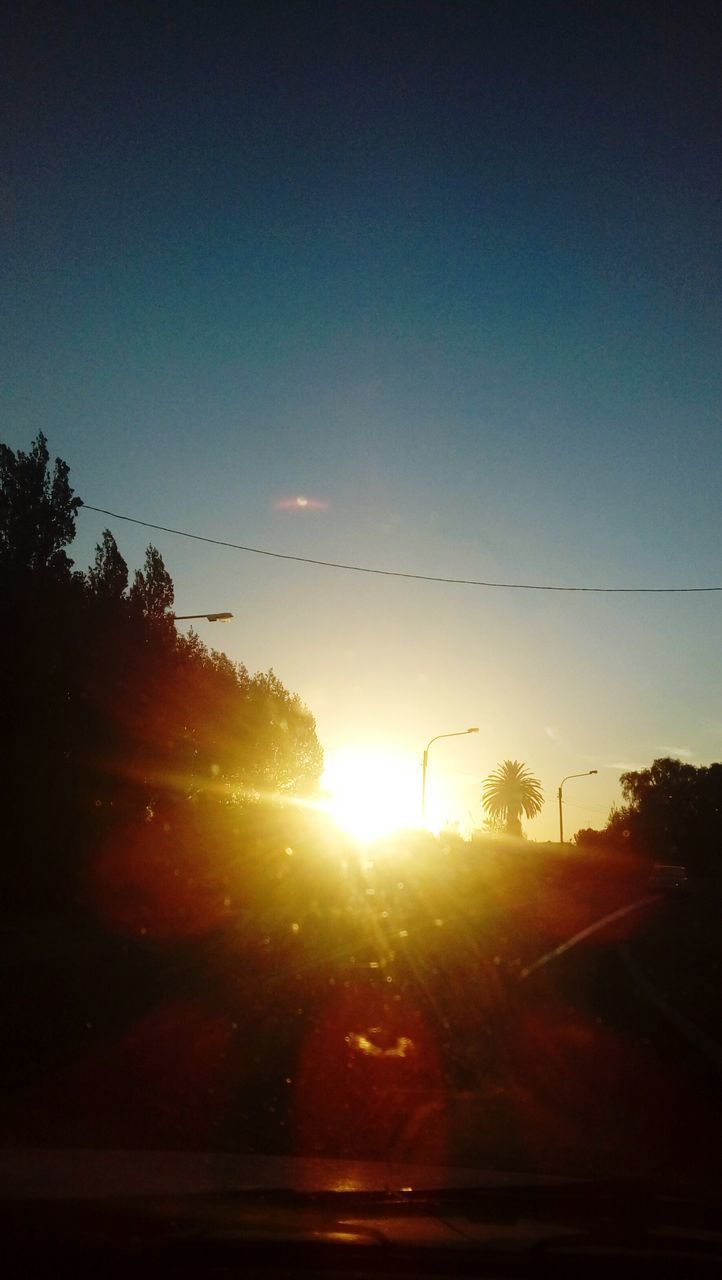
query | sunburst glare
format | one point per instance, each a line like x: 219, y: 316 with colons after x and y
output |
x: 370, y: 793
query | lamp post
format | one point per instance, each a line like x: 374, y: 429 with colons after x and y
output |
x: 588, y: 774
x: 209, y: 617
x: 461, y: 733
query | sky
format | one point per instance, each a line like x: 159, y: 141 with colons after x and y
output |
x: 450, y: 271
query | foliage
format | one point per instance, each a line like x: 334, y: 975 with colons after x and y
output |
x: 108, y: 578
x: 494, y: 826
x: 110, y: 716
x: 672, y: 812
x: 152, y: 589
x: 510, y: 791
x: 37, y: 512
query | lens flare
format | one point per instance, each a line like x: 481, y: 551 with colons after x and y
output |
x: 371, y: 793
x: 301, y: 502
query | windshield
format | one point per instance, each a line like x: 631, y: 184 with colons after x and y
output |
x: 359, y: 577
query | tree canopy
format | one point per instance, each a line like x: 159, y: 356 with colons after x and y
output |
x: 109, y: 715
x: 510, y: 792
x: 672, y: 812
x: 37, y: 512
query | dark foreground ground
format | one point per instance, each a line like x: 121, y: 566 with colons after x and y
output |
x: 433, y: 1033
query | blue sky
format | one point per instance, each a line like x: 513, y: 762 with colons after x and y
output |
x: 453, y: 269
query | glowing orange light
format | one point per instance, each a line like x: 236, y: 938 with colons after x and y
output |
x: 300, y: 502
x: 374, y: 1094
x: 401, y: 1047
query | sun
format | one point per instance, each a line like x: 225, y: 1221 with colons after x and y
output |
x: 370, y: 793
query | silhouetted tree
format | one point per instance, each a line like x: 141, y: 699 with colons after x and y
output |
x: 672, y: 812
x: 110, y: 718
x: 108, y: 577
x: 510, y: 791
x: 41, y: 606
x: 152, y: 589
x: 37, y: 511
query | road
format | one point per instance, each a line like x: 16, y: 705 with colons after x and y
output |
x: 485, y: 1056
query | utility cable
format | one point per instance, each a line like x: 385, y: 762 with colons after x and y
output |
x: 399, y: 573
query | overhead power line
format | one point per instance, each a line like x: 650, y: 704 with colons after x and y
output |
x: 398, y: 573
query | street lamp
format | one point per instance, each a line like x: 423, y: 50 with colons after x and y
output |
x: 588, y: 774
x: 461, y: 733
x: 209, y: 617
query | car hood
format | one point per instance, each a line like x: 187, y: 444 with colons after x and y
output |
x: 78, y: 1173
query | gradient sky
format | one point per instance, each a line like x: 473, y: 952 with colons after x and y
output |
x: 450, y: 269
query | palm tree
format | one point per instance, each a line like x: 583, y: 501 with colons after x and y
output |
x: 509, y: 792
